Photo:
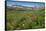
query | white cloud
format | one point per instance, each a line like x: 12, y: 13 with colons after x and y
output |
x: 29, y: 5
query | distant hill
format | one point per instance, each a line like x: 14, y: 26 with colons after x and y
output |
x: 24, y: 7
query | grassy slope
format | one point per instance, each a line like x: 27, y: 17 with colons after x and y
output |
x: 25, y: 19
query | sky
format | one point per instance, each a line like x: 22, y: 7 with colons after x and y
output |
x: 10, y: 0
x: 30, y: 4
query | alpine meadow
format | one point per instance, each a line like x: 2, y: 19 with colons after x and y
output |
x: 25, y: 15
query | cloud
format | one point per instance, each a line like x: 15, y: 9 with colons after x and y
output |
x: 10, y: 3
x: 29, y: 5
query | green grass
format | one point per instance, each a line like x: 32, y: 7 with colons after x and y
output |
x: 25, y: 19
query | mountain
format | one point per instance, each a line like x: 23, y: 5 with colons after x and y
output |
x: 18, y: 7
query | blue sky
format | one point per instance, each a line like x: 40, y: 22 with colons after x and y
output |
x: 10, y: 0
x: 31, y: 4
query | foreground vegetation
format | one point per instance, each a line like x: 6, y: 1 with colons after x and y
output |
x: 32, y: 19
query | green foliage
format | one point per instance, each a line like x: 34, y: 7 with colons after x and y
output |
x: 25, y: 19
